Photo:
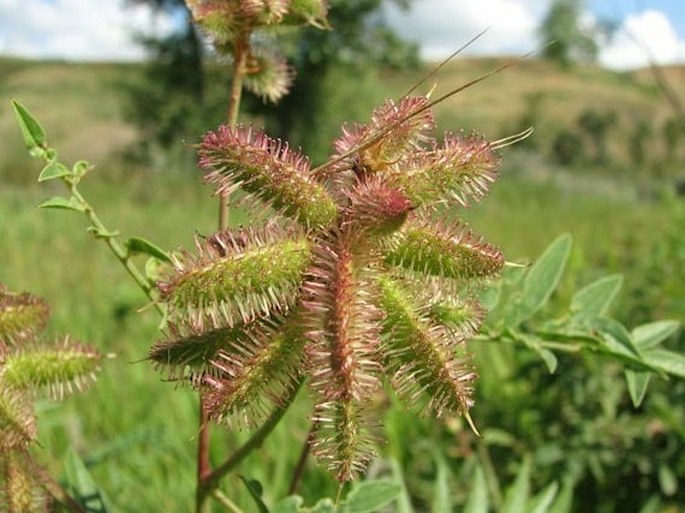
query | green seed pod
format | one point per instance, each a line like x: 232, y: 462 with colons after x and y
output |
x: 461, y: 170
x: 60, y: 367
x: 237, y: 276
x: 22, y: 316
x: 311, y: 12
x: 421, y: 356
x: 20, y: 487
x: 447, y: 251
x: 17, y: 421
x: 241, y: 157
x: 250, y: 377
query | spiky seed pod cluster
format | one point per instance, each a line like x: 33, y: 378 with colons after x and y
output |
x: 29, y: 367
x: 232, y: 26
x: 367, y: 286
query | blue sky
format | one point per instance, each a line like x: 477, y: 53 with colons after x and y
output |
x: 102, y: 29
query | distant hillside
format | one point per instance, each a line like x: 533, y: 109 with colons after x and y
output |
x: 83, y: 105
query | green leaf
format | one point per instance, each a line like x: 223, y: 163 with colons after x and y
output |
x: 81, y: 168
x: 668, y: 482
x: 667, y: 361
x: 82, y: 486
x: 478, y: 498
x: 517, y: 495
x: 637, y: 385
x: 542, y: 502
x: 648, y: 336
x: 541, y: 280
x: 615, y: 336
x: 594, y: 300
x: 441, y: 490
x: 63, y: 203
x: 31, y: 130
x: 255, y: 488
x: 369, y: 496
x: 53, y: 170
x: 137, y: 245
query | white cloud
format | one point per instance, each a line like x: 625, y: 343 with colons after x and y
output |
x: 75, y: 29
x: 443, y: 25
x: 642, y: 34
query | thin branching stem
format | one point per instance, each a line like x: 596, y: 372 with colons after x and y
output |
x: 301, y: 462
x: 105, y: 234
x: 221, y: 497
x: 211, y: 481
x: 239, y: 63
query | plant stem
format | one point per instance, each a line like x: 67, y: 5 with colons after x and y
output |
x: 116, y: 248
x: 299, y: 468
x: 211, y: 481
x: 204, y: 471
x: 203, y: 464
x: 219, y: 496
x: 239, y: 64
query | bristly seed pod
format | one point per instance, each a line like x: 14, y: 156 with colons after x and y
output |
x: 22, y: 317
x: 237, y: 277
x: 242, y: 157
x: 426, y: 372
x: 446, y: 251
x: 59, y: 368
x: 249, y: 379
x: 17, y: 421
x: 371, y: 284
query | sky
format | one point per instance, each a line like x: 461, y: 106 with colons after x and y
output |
x: 104, y: 29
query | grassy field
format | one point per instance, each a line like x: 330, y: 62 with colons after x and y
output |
x: 136, y: 432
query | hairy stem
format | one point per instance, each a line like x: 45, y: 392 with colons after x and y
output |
x: 211, y: 481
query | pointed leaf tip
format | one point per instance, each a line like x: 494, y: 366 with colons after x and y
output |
x: 31, y: 130
x: 53, y: 170
x: 61, y: 203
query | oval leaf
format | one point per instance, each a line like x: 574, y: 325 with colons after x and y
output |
x: 648, y: 336
x: 594, y: 300
x: 541, y: 280
x: 637, y: 385
x: 53, y: 170
x: 667, y: 361
x: 369, y: 496
x: 136, y: 246
x: 63, y: 203
x: 31, y: 130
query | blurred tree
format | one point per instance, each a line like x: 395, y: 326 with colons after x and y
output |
x: 571, y: 40
x: 166, y: 103
x: 359, y: 41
